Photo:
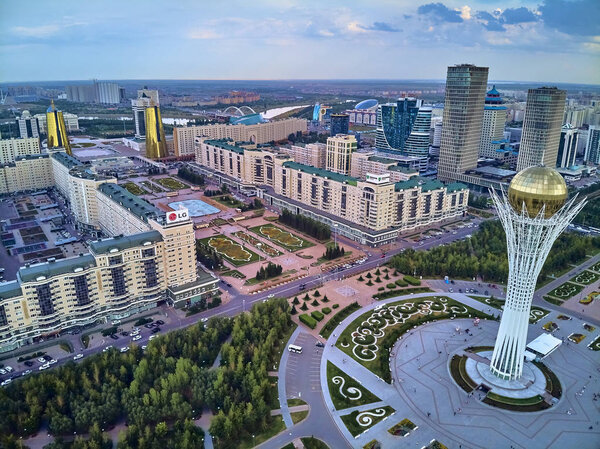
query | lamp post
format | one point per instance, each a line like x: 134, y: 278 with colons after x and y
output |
x: 335, y: 226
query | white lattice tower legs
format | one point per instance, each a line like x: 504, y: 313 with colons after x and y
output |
x: 529, y: 241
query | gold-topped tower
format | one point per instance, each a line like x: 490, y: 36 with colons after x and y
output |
x: 536, y: 186
x: 156, y: 145
x: 56, y: 129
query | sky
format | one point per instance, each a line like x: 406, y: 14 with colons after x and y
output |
x: 544, y: 40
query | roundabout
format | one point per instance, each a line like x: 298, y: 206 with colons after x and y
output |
x: 421, y: 389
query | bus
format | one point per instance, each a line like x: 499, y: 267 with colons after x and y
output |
x: 171, y: 194
x: 294, y: 348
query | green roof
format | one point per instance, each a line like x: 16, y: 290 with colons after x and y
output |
x: 403, y: 169
x: 320, y: 172
x: 455, y: 186
x: 383, y: 160
x: 432, y: 185
x: 126, y: 242
x: 51, y: 269
x: 10, y: 289
x: 225, y: 145
x: 405, y: 185
x: 65, y: 159
x: 129, y: 201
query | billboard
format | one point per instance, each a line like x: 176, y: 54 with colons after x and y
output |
x: 178, y: 215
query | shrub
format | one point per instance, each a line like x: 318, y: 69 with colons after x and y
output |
x: 387, y: 277
x: 304, y: 306
x: 308, y: 320
x: 391, y: 285
x: 369, y: 275
x: 143, y: 321
x: 335, y: 306
x: 377, y: 279
x: 378, y: 272
x: 369, y: 284
x: 306, y: 297
x: 337, y: 319
x: 396, y: 273
x: 401, y: 283
x: 295, y: 301
x: 294, y: 311
x: 325, y: 299
x: 326, y: 310
x: 386, y: 270
x: 380, y: 289
x: 109, y: 331
x: 360, y: 278
x: 316, y: 294
x: 317, y: 315
x: 411, y: 280
x: 315, y: 303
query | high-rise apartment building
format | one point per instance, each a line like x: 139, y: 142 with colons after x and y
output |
x: 394, y: 123
x: 156, y: 144
x: 592, y: 147
x: 28, y: 125
x: 567, y: 147
x: 10, y: 149
x: 541, y: 127
x: 417, y: 144
x: 308, y: 154
x: 494, y: 119
x: 466, y: 86
x: 145, y: 97
x: 98, y: 92
x: 56, y: 130
x: 340, y: 124
x: 339, y: 153
x: 71, y: 122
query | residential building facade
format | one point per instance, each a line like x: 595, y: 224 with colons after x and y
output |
x: 339, y: 153
x: 567, y: 146
x: 592, y: 147
x: 309, y: 154
x: 28, y: 126
x: 494, y: 119
x: 11, y: 148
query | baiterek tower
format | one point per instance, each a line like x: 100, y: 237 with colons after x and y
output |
x: 535, y: 213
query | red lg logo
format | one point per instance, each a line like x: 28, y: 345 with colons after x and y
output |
x: 172, y: 216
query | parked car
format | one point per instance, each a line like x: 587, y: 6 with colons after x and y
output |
x: 52, y: 361
x: 2, y: 371
x: 155, y: 330
x: 320, y: 344
x: 152, y: 337
x: 78, y: 356
x: 26, y: 372
x: 114, y: 336
x: 108, y: 348
x: 28, y: 363
x: 44, y: 366
x: 125, y: 334
x: 160, y: 322
x: 6, y: 382
x: 124, y: 349
x: 149, y: 326
x: 136, y: 338
x: 8, y: 369
x: 47, y: 358
x: 41, y: 360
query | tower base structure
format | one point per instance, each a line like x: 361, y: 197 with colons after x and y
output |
x: 528, y: 240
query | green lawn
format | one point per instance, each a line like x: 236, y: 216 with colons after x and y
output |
x: 595, y: 345
x: 276, y: 427
x: 151, y: 186
x: 235, y: 253
x: 294, y: 402
x: 536, y: 313
x: 132, y: 187
x: 346, y: 392
x: 313, y: 443
x: 299, y: 416
x: 586, y: 278
x: 171, y: 183
x: 367, y: 419
x: 281, y: 237
x: 566, y: 291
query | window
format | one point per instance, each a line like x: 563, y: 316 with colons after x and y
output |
x: 118, y: 279
x: 115, y: 260
x: 81, y: 290
x: 3, y: 319
x: 45, y: 299
x: 148, y: 252
x: 150, y: 272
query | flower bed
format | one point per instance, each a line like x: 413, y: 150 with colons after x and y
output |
x: 357, y: 422
x: 345, y: 392
x: 251, y: 240
x: 285, y: 239
x: 133, y: 188
x: 595, y: 345
x: 586, y: 277
x: 566, y: 291
x: 576, y: 338
x: 171, y: 183
x: 403, y: 428
x: 230, y: 250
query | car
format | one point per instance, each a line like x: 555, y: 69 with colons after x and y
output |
x: 44, y: 366
x: 78, y: 356
x: 41, y: 360
x: 320, y: 344
x: 228, y: 284
x: 26, y: 372
x: 28, y: 363
x: 486, y: 293
x: 124, y: 349
x: 114, y: 336
x: 134, y: 333
x: 115, y: 322
x: 2, y: 371
x: 136, y: 338
x: 144, y: 347
x: 52, y: 361
x: 271, y: 296
x: 108, y: 348
x: 125, y: 334
x: 204, y: 320
x: 47, y: 358
x: 460, y: 290
x: 149, y: 326
x: 155, y: 330
x: 6, y: 382
x: 8, y: 369
x: 160, y: 322
x: 152, y: 337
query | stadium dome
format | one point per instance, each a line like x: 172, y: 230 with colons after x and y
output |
x: 367, y: 104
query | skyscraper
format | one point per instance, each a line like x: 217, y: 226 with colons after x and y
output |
x: 592, y: 147
x: 340, y: 124
x: 339, y: 153
x: 567, y: 147
x: 138, y: 105
x: 533, y: 216
x: 494, y: 119
x: 417, y: 143
x: 541, y: 127
x: 56, y: 130
x: 394, y: 123
x: 463, y: 117
x: 156, y: 145
x: 28, y: 125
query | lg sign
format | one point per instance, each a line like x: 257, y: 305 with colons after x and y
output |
x: 177, y: 215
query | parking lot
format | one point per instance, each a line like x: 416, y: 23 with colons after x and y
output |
x: 302, y: 370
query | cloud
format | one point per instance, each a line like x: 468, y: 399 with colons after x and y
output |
x: 203, y: 34
x: 572, y: 17
x: 518, y: 15
x: 39, y: 31
x: 440, y: 13
x: 381, y: 26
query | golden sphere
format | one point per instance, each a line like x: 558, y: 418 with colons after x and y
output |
x: 536, y: 186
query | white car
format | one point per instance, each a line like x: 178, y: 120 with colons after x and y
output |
x: 124, y: 349
x: 115, y: 322
x: 2, y: 371
x: 44, y: 366
x: 108, y: 348
x: 152, y: 337
x: 134, y: 333
x: 41, y: 360
x: 271, y: 296
x: 6, y: 382
x: 8, y: 369
x: 204, y: 320
x: 144, y: 347
x: 136, y: 338
x: 78, y: 356
x: 26, y: 372
x: 52, y: 361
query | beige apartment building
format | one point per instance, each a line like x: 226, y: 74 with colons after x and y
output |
x: 120, y: 276
x: 10, y: 149
x: 364, y: 163
x: 339, y: 153
x: 71, y: 122
x: 308, y: 154
x: 27, y: 172
x: 183, y: 137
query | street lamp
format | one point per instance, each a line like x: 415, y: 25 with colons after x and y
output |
x: 335, y: 226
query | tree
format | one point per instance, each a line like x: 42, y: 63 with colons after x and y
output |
x: 295, y: 301
x: 304, y: 307
x: 316, y: 294
x: 294, y: 311
x: 325, y: 299
x: 315, y: 303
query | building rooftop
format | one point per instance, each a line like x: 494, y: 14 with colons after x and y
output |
x: 320, y: 172
x: 456, y: 186
x: 124, y: 242
x: 46, y: 270
x: 27, y: 157
x: 10, y: 289
x: 406, y: 185
x: 432, y: 185
x: 383, y: 160
x: 129, y: 201
x: 495, y: 171
x: 404, y: 169
x: 225, y: 145
x: 202, y: 278
x: 65, y: 159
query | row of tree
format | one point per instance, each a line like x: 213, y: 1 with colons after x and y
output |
x: 590, y: 215
x: 333, y: 252
x: 304, y: 224
x: 270, y: 271
x: 207, y: 256
x: 190, y: 176
x: 222, y: 191
x: 484, y: 255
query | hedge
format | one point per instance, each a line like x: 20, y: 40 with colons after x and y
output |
x: 406, y: 291
x: 391, y: 285
x: 401, y: 283
x: 326, y: 310
x: 335, y: 306
x: 338, y: 318
x: 308, y: 320
x: 317, y: 315
x: 411, y: 280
